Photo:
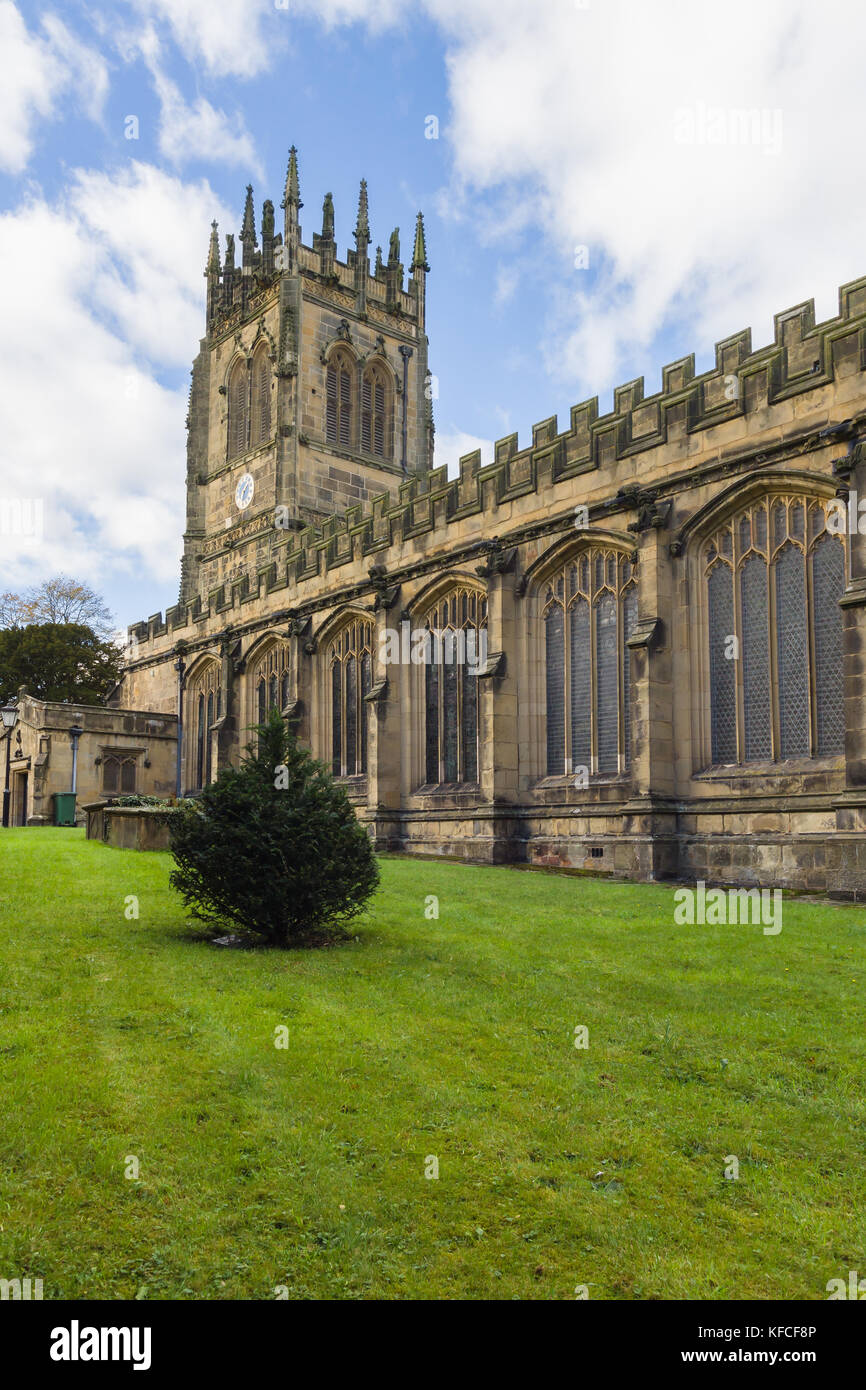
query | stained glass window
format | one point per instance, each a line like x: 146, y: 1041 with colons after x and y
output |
x: 270, y: 681
x: 457, y: 645
x: 202, y: 706
x: 587, y: 663
x: 828, y: 583
x: 722, y: 672
x: 783, y: 697
x: 351, y: 665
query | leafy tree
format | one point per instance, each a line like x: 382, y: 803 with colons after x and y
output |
x: 59, y: 600
x: 57, y: 661
x: 274, y: 846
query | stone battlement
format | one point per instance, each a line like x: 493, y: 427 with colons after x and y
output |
x: 803, y: 357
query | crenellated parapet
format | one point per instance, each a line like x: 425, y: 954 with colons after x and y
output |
x: 804, y: 357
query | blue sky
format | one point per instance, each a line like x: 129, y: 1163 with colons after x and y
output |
x: 613, y: 185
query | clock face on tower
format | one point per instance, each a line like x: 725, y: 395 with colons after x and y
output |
x: 244, y: 492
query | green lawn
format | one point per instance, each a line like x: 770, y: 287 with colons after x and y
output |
x: 454, y: 1038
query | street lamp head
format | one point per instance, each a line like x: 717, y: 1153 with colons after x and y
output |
x: 76, y: 730
x: 9, y: 714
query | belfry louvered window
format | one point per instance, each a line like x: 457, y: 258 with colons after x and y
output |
x: 350, y: 659
x: 376, y: 411
x: 456, y: 647
x: 774, y: 577
x: 338, y: 403
x: 590, y: 610
x: 238, y: 411
x: 260, y: 413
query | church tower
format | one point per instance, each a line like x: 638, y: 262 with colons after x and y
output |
x: 310, y: 393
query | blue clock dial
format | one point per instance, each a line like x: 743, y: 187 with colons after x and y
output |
x: 244, y: 492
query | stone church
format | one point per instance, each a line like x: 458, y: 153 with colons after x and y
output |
x: 667, y: 634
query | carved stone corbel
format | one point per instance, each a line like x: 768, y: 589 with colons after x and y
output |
x: 647, y: 633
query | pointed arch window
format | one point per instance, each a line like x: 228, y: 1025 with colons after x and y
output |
x: 774, y: 577
x: 376, y: 411
x: 339, y: 392
x: 457, y: 627
x: 238, y: 408
x: 350, y: 660
x: 590, y: 611
x: 270, y: 681
x: 119, y: 772
x: 260, y: 411
x: 204, y: 705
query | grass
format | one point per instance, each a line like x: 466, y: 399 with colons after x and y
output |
x: 453, y: 1038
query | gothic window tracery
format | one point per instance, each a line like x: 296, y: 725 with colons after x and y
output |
x: 204, y: 708
x: 589, y: 611
x: 270, y: 681
x: 774, y: 576
x: 350, y: 673
x: 119, y: 772
x: 455, y: 651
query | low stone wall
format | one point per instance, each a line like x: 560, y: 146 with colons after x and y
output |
x: 652, y: 848
x: 127, y: 827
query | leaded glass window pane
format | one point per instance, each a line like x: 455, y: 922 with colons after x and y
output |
x: 629, y: 619
x: 793, y: 653
x: 351, y: 715
x: 336, y: 719
x: 208, y: 739
x: 581, y: 685
x: 554, y: 637
x: 606, y: 691
x: 757, y: 705
x: 449, y: 710
x: 723, y: 691
x: 431, y: 676
x: 470, y: 724
x: 366, y: 686
x: 828, y: 578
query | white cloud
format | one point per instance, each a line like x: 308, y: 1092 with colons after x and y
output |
x: 507, y: 280
x: 35, y: 74
x: 569, y: 117
x: 201, y: 132
x: 227, y: 35
x: 148, y: 233
x: 452, y: 444
x: 90, y: 432
x: 600, y: 125
x: 194, y: 131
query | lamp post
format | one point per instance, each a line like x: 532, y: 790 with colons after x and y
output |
x: 9, y: 713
